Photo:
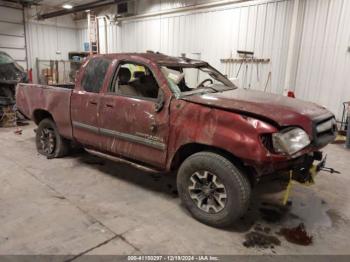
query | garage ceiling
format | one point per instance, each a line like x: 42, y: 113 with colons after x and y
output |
x: 59, y: 3
x: 56, y: 4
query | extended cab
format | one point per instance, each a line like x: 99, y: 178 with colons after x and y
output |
x: 164, y: 113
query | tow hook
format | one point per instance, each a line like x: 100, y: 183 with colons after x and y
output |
x: 330, y: 170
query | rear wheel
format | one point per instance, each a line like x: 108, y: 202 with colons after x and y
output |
x: 213, y: 189
x: 49, y: 142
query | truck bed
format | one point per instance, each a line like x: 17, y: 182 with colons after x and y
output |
x: 33, y: 100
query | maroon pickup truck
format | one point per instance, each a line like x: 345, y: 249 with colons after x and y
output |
x: 163, y: 113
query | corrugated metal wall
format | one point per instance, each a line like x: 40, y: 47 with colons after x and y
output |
x: 146, y: 6
x: 113, y: 44
x: 82, y: 35
x: 50, y: 39
x: 259, y: 26
x: 12, y: 36
x: 324, y: 60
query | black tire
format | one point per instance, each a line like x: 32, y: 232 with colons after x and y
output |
x: 59, y: 147
x: 232, y: 181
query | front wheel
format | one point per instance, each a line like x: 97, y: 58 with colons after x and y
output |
x: 213, y: 189
x: 49, y: 142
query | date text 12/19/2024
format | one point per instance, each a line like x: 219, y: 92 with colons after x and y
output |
x: 173, y: 258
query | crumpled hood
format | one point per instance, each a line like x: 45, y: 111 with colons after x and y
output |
x: 284, y: 111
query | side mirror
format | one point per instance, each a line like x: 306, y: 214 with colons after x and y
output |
x: 160, y: 101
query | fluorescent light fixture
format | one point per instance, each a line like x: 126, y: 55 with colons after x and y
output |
x: 67, y: 6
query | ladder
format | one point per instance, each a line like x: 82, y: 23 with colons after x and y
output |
x: 93, y: 33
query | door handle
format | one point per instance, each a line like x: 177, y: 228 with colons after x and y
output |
x: 93, y: 102
x: 109, y: 105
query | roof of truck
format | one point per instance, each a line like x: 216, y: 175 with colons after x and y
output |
x: 157, y: 58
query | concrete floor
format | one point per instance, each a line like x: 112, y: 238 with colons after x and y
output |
x: 85, y: 205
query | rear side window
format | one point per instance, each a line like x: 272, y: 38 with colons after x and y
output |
x: 94, y: 74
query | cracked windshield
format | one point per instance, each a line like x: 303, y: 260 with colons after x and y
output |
x: 186, y: 81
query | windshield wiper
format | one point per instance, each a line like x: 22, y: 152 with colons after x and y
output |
x: 206, y: 89
x: 212, y: 88
x: 195, y: 92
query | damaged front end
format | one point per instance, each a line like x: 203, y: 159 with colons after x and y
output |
x: 296, y: 154
x: 306, y: 171
x: 11, y: 73
x: 302, y: 169
x: 305, y: 174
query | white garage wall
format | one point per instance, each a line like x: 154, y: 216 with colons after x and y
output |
x: 82, y: 34
x: 12, y: 36
x: 211, y: 34
x: 324, y: 62
x: 321, y: 61
x: 113, y: 44
x: 50, y: 39
x: 146, y: 6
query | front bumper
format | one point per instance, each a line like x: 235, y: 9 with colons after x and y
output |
x: 305, y: 173
x: 303, y: 168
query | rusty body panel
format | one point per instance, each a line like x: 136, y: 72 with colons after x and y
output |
x: 31, y: 98
x: 152, y: 128
x: 234, y: 132
x: 239, y: 135
x: 284, y: 111
x: 232, y: 121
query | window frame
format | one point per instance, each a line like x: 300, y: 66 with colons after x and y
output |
x: 114, y: 79
x: 82, y: 87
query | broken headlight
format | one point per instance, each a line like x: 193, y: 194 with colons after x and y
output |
x: 290, y: 141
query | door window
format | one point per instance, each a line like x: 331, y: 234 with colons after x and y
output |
x: 136, y: 81
x: 94, y: 74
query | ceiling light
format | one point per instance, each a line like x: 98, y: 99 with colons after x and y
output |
x: 67, y: 6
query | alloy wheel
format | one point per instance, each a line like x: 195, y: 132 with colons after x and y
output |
x: 48, y: 140
x: 207, y: 192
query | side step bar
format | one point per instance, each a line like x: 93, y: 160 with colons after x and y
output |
x: 121, y: 160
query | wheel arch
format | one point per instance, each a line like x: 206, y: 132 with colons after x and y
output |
x: 189, y: 149
x: 41, y: 114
